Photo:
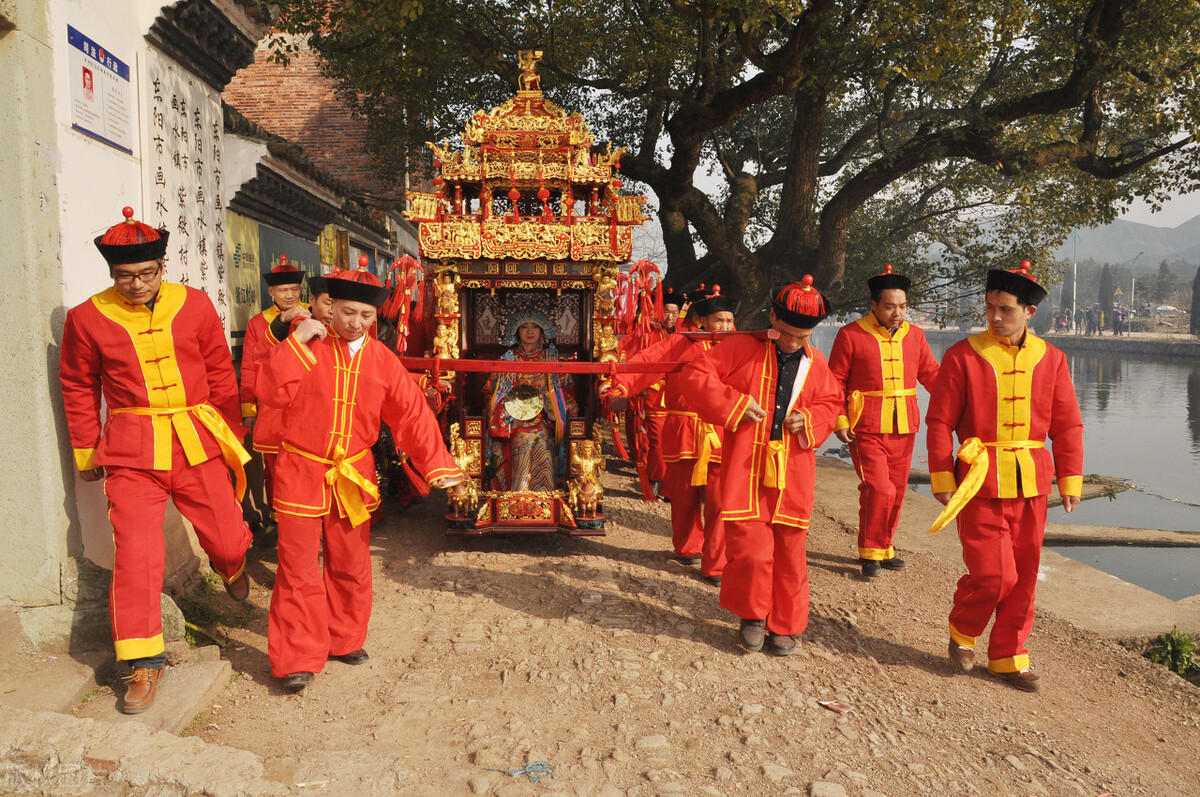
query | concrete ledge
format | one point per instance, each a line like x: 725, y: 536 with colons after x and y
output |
x: 45, y: 753
x: 1064, y: 535
x: 183, y: 692
x: 1084, y: 596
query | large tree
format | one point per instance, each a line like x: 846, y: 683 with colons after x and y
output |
x: 829, y: 136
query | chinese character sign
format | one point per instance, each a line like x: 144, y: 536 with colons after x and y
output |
x: 184, y: 184
x: 245, y: 272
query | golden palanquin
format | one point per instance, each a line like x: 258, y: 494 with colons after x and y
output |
x: 528, y: 213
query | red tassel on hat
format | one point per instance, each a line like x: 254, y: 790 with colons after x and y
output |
x: 129, y: 231
x: 801, y: 297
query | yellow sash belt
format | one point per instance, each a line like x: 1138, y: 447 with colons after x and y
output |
x: 974, y: 451
x: 347, y: 483
x: 776, y: 472
x: 856, y: 401
x: 709, y: 442
x: 163, y: 418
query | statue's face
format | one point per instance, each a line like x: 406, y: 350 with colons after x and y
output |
x: 587, y: 448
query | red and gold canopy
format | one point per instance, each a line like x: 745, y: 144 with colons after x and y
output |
x: 526, y: 194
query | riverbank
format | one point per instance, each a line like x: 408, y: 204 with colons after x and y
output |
x: 1158, y: 344
x: 614, y: 665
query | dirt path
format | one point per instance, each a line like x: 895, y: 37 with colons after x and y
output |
x: 492, y: 654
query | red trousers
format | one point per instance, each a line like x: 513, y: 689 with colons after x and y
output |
x: 1002, y: 548
x: 656, y: 467
x: 137, y: 499
x: 696, y: 525
x: 318, y: 612
x: 269, y: 483
x: 882, y: 462
x: 767, y: 573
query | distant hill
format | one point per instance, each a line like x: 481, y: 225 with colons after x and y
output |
x: 1121, y: 241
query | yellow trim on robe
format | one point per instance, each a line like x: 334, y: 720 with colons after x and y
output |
x: 1011, y: 664
x: 877, y: 554
x: 1014, y: 403
x: 249, y: 410
x: 85, y: 458
x: 892, y: 368
x: 1071, y: 485
x: 961, y: 638
x: 152, y: 338
x: 139, y: 648
x: 943, y: 481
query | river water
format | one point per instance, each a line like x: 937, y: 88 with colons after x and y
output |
x: 1141, y: 417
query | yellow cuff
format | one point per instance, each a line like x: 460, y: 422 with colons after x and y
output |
x: 85, y: 458
x: 139, y: 648
x: 961, y: 638
x: 249, y: 410
x: 1011, y: 664
x: 877, y: 554
x: 842, y: 423
x: 942, y: 481
x: 1071, y: 485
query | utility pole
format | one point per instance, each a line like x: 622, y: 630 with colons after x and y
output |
x: 1075, y: 283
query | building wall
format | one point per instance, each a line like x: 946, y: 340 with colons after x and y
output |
x: 61, y: 189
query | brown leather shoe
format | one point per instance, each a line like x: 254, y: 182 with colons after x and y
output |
x: 753, y: 632
x: 141, y: 687
x: 781, y: 644
x: 963, y: 657
x: 239, y: 588
x: 1024, y: 680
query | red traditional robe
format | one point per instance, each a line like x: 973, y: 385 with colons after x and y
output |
x: 766, y: 486
x: 172, y: 426
x: 1010, y: 398
x: 257, y: 343
x: 878, y: 373
x: 649, y: 409
x: 332, y: 404
x: 691, y: 450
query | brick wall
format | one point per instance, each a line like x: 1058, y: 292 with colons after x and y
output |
x: 300, y: 104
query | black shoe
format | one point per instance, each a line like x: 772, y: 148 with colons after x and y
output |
x: 268, y: 537
x: 690, y: 559
x: 753, y: 632
x: 893, y: 564
x: 353, y: 657
x: 871, y: 567
x: 781, y: 644
x: 714, y: 580
x: 298, y: 680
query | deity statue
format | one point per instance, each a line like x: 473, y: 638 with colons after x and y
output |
x: 606, y: 343
x: 586, y: 464
x: 528, y: 412
x: 529, y: 79
x: 465, y: 503
x: 447, y: 294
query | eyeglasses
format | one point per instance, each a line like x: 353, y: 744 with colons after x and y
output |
x: 122, y: 278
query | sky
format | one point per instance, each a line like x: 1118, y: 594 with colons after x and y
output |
x: 1173, y: 214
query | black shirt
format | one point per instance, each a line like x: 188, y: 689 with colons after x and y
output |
x: 788, y: 365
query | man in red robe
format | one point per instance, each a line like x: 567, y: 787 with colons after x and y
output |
x: 654, y: 406
x: 1002, y: 392
x: 691, y: 448
x: 156, y: 353
x: 283, y: 286
x: 334, y: 386
x: 778, y: 401
x: 878, y: 361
